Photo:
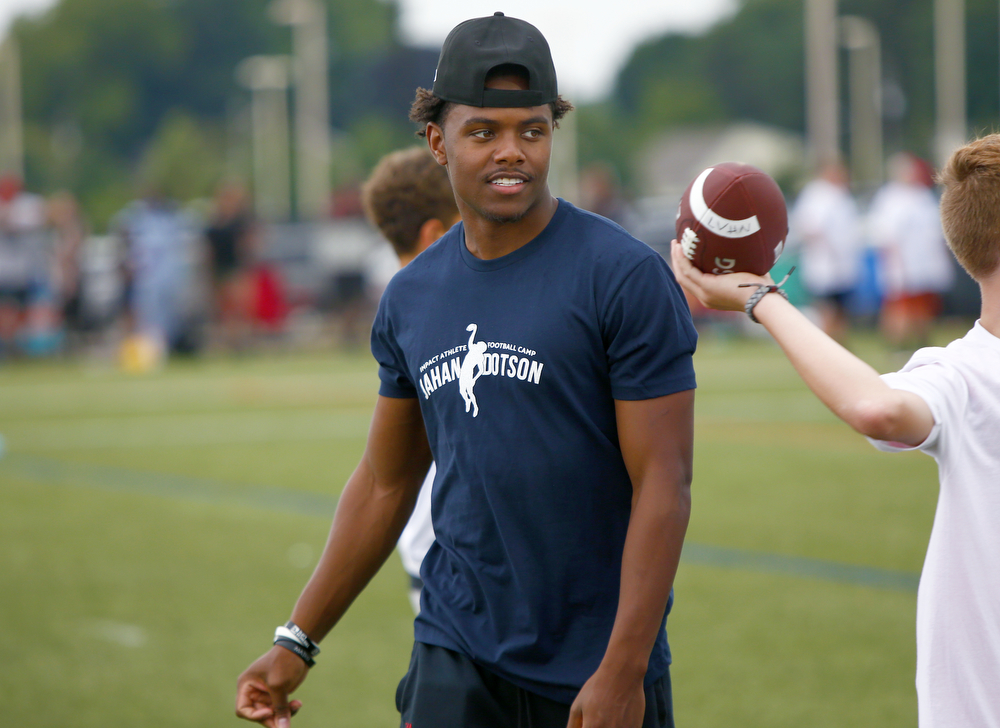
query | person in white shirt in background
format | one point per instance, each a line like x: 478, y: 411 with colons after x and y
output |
x: 825, y: 226
x: 946, y: 403
x: 23, y: 258
x: 408, y: 197
x: 914, y: 264
x: 157, y: 235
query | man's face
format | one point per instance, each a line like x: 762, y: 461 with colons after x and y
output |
x: 497, y: 158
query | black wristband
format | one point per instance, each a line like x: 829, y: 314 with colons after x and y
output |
x: 302, y: 637
x: 297, y: 649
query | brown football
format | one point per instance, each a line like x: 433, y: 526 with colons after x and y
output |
x: 732, y: 219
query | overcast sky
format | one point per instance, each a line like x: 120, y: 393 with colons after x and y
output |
x: 11, y: 8
x: 590, y: 39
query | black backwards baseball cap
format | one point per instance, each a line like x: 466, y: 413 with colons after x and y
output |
x: 475, y: 47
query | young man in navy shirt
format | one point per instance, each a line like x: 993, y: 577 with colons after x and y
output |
x: 543, y: 358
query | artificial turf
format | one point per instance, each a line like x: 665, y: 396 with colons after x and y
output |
x: 155, y: 529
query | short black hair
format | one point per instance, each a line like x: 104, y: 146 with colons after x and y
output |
x: 427, y: 108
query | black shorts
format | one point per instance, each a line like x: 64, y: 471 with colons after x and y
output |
x: 444, y: 689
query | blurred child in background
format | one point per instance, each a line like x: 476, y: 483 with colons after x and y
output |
x: 231, y: 236
x: 155, y: 232
x: 23, y: 259
x: 408, y: 198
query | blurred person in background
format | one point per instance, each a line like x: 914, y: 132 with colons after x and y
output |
x: 68, y: 232
x: 825, y: 227
x: 154, y: 231
x: 231, y: 238
x: 914, y: 265
x: 600, y: 192
x: 43, y: 330
x: 408, y: 198
x: 23, y: 260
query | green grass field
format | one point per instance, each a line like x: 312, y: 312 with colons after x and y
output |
x: 154, y: 530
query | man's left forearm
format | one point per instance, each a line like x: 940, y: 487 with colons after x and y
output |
x: 656, y: 438
x: 614, y: 697
x: 649, y: 564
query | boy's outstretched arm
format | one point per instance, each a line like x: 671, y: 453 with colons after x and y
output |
x: 848, y: 386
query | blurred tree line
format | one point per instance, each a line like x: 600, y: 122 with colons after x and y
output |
x: 123, y: 93
x: 750, y: 66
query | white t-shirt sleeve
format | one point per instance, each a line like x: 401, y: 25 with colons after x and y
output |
x: 417, y: 537
x: 940, y: 386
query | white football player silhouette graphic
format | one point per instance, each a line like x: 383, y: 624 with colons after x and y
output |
x: 468, y: 375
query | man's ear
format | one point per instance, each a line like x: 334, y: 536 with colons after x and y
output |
x: 435, y: 140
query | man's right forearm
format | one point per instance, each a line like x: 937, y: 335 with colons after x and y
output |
x: 373, y: 509
x: 365, y: 529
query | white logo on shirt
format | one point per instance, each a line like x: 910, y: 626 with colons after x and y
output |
x: 515, y: 362
x: 468, y: 375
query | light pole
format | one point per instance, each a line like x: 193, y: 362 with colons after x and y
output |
x: 11, y: 130
x: 312, y: 114
x: 949, y: 77
x: 267, y: 79
x: 822, y: 124
x: 861, y: 38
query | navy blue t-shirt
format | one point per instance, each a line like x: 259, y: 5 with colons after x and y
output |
x: 517, y: 362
